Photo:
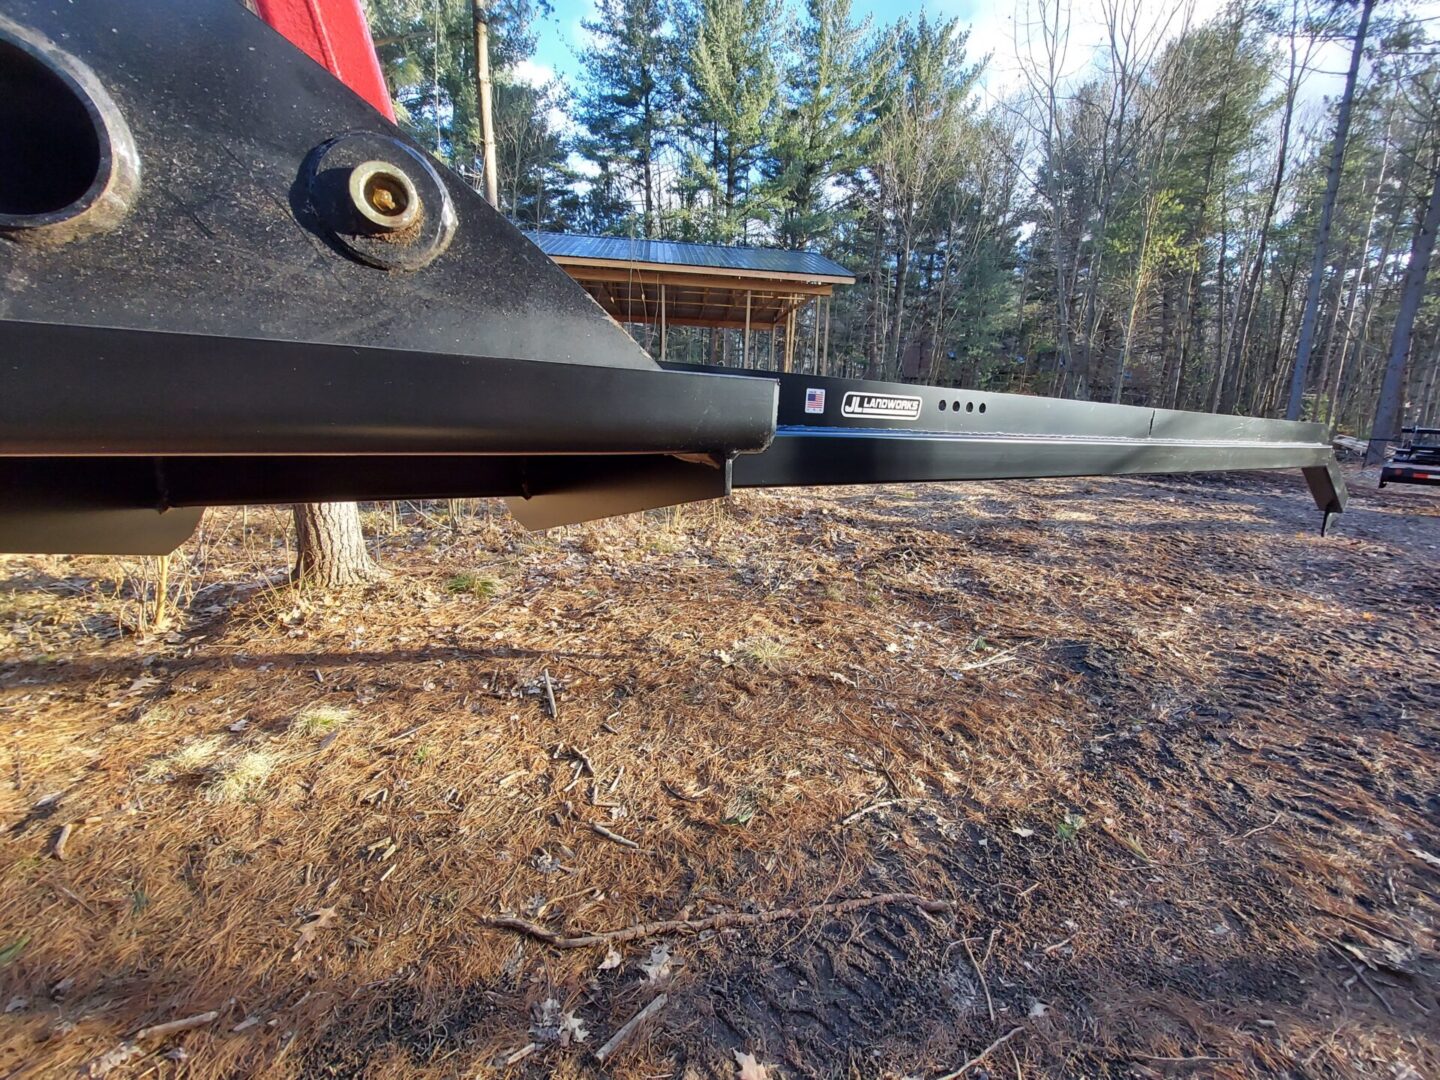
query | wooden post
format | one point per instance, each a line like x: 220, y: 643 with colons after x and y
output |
x: 663, y: 334
x: 486, y: 95
x: 745, y: 348
x: 825, y: 349
x: 814, y: 306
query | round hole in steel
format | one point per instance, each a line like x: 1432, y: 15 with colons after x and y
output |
x: 54, y: 158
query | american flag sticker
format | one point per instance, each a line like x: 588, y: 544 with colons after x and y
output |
x: 814, y: 400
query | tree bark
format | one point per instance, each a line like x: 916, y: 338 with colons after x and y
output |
x: 1344, y: 395
x: 1327, y: 214
x: 1390, y: 406
x: 330, y: 548
x: 484, y: 93
x: 1233, y: 353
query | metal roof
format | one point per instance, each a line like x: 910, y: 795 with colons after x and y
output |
x: 676, y: 253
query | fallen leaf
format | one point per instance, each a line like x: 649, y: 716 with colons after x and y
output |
x: 549, y: 1025
x: 611, y: 961
x: 750, y: 1069
x: 319, y: 920
x: 659, y: 964
x: 1024, y: 834
x: 111, y: 1060
x: 545, y: 1020
x: 572, y: 1028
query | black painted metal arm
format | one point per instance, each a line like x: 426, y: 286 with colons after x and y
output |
x: 225, y: 279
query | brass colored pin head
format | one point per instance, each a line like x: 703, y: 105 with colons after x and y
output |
x: 384, y: 196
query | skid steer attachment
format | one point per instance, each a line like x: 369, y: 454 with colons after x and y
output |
x: 225, y: 278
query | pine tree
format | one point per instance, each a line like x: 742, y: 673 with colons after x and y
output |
x: 735, y: 82
x: 628, y: 97
x: 923, y: 132
x: 817, y: 138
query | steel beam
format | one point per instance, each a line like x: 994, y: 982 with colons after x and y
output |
x: 866, y: 432
x: 85, y: 391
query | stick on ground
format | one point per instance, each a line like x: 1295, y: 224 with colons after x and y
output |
x: 117, y: 1056
x: 159, y: 1031
x: 623, y: 841
x: 978, y: 1058
x: 712, y: 922
x: 550, y: 696
x: 1360, y: 974
x: 628, y: 1028
x: 980, y: 971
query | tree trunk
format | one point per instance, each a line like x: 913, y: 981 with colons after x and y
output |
x: 896, y: 349
x: 483, y: 91
x: 330, y: 548
x: 1327, y: 214
x: 1233, y: 354
x: 1390, y: 406
x: 1373, y: 299
x: 878, y: 289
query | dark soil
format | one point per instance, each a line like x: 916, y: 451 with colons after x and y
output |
x: 1169, y: 756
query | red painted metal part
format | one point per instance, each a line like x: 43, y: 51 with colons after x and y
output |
x: 333, y: 33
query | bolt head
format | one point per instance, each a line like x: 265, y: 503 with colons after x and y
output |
x: 384, y: 196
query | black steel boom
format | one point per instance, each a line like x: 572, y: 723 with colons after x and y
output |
x: 228, y: 280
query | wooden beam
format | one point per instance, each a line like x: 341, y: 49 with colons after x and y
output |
x: 629, y: 266
x: 762, y: 283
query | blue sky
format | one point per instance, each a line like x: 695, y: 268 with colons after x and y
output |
x: 992, y: 25
x: 560, y: 36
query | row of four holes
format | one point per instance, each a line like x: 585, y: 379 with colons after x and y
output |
x: 969, y: 406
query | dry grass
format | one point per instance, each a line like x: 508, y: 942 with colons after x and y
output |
x: 318, y: 719
x: 241, y: 777
x: 189, y: 758
x: 1161, y: 749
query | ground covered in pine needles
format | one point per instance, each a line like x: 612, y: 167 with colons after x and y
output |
x: 1130, y: 778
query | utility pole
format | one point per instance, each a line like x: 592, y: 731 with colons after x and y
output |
x: 485, y: 94
x: 1327, y: 213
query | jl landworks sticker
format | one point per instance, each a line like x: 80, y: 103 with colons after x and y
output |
x: 880, y: 406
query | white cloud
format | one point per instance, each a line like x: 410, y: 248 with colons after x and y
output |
x: 532, y: 73
x: 1011, y: 34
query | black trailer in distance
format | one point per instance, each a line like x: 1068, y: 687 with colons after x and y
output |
x: 1417, y: 460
